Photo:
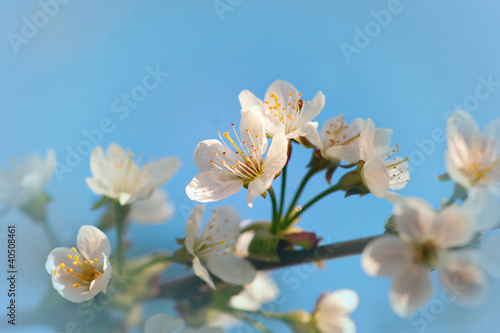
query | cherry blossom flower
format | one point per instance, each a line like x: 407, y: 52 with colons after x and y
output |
x: 214, y: 245
x: 284, y: 111
x: 473, y: 161
x: 80, y: 274
x: 163, y: 323
x: 332, y: 310
x: 155, y: 209
x: 25, y: 180
x: 117, y: 176
x: 224, y: 171
x: 341, y: 141
x: 381, y: 171
x: 428, y: 240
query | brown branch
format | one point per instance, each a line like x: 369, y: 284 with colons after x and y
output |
x: 181, y: 288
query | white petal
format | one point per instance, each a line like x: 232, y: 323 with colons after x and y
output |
x: 56, y: 257
x: 126, y: 198
x: 415, y: 220
x: 310, y: 132
x: 92, y: 242
x: 224, y: 225
x: 193, y: 227
x: 204, y: 153
x: 484, y: 209
x: 162, y: 170
x: 202, y: 273
x: 490, y: 256
x: 453, y: 227
x: 339, y: 302
x: 376, y: 177
x: 248, y: 100
x: 162, y: 323
x: 313, y: 108
x: 277, y: 155
x: 258, y: 186
x: 214, y: 185
x: 460, y: 273
x: 231, y: 269
x: 98, y: 186
x: 382, y: 140
x: 262, y: 290
x: 252, y: 132
x: 271, y: 124
x: 411, y: 288
x: 98, y: 163
x: 100, y: 284
x: 282, y: 89
x: 385, y: 256
x: 461, y: 126
x: 157, y: 208
x: 242, y: 244
x: 366, y: 140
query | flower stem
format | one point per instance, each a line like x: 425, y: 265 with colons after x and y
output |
x: 306, y: 178
x: 283, y: 188
x: 452, y: 199
x: 274, y: 227
x: 323, y: 194
x: 120, y: 216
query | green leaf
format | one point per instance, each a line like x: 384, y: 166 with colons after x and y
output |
x: 264, y: 246
x: 101, y: 202
x: 36, y: 207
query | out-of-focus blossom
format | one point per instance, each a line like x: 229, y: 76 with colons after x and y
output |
x: 155, y: 209
x: 428, y: 240
x: 473, y: 161
x: 117, y: 176
x: 341, y: 141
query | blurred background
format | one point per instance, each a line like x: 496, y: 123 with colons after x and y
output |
x: 67, y: 66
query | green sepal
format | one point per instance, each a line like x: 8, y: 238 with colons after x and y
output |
x: 390, y: 226
x: 444, y: 177
x: 101, y: 202
x: 36, y: 207
x: 264, y: 246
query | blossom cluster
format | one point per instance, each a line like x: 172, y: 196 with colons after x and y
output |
x: 226, y: 253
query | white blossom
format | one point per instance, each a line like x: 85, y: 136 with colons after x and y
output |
x: 80, y: 274
x: 117, y: 176
x: 427, y: 240
x: 382, y: 171
x: 224, y: 171
x: 284, y: 111
x: 341, y: 141
x: 213, y: 247
x: 25, y: 180
x: 332, y: 312
x: 473, y: 161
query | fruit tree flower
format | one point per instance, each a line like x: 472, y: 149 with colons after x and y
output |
x: 473, y: 161
x: 25, y: 180
x: 213, y: 247
x: 341, y: 141
x: 381, y: 171
x: 155, y: 209
x: 80, y: 274
x: 116, y: 176
x: 331, y: 314
x: 428, y: 240
x: 224, y: 171
x: 284, y: 111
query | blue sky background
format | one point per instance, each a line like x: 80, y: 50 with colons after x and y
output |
x: 429, y: 59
